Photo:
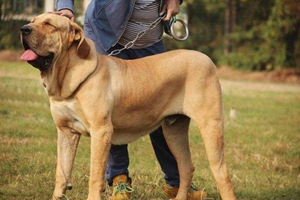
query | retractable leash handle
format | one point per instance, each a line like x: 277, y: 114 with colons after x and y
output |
x: 169, y: 28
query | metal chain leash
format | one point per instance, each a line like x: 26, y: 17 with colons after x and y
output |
x: 138, y: 36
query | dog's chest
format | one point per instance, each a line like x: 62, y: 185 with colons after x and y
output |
x: 67, y: 115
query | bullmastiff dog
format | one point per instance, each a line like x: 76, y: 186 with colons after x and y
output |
x: 115, y: 101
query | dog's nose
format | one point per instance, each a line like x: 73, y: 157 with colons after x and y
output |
x: 26, y: 30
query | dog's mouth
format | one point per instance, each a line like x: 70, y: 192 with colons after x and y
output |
x: 41, y: 62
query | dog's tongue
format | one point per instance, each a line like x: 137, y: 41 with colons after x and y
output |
x: 29, y: 55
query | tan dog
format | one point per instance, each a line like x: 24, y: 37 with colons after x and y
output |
x: 118, y: 101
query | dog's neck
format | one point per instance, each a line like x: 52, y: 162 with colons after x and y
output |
x: 68, y: 72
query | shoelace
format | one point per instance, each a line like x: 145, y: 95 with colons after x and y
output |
x: 193, y: 188
x: 123, y: 188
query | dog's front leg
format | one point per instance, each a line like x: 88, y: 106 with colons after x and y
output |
x: 100, y: 146
x: 67, y: 143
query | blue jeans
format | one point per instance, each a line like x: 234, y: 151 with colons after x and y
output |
x: 118, y: 161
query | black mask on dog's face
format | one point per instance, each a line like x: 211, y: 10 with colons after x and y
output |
x: 42, y: 62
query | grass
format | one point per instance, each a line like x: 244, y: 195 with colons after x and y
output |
x: 262, y: 143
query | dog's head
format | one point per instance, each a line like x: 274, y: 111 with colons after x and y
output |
x: 48, y: 36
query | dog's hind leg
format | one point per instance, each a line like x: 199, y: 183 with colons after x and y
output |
x: 208, y: 115
x: 176, y: 135
x: 213, y: 139
x: 67, y: 143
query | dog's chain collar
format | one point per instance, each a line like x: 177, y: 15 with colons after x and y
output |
x: 138, y: 36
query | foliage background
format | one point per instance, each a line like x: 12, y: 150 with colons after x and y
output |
x: 252, y: 35
x: 260, y: 35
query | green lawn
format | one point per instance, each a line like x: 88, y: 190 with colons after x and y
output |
x: 262, y: 143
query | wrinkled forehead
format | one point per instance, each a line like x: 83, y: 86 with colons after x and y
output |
x: 52, y: 18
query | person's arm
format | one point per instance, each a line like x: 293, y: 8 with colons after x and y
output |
x: 171, y: 7
x: 65, y: 8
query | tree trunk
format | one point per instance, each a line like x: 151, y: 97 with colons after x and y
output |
x: 227, y: 28
x: 234, y: 13
x: 1, y: 10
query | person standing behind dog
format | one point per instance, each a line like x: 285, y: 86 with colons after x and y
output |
x: 111, y: 25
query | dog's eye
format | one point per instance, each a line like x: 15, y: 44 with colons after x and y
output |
x: 49, y: 24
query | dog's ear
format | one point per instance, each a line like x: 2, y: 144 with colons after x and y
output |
x: 83, y: 48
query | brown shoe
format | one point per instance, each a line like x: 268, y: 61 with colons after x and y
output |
x: 193, y: 193
x: 121, y: 188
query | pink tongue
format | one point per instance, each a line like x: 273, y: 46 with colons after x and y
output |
x: 29, y: 55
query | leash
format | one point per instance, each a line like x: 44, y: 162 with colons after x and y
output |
x: 169, y: 29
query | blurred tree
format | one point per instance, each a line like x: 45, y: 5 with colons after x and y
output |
x: 247, y: 34
x: 12, y: 13
x: 206, y: 19
x: 267, y: 35
x: 11, y: 8
x: 231, y: 15
x: 228, y: 26
x: 282, y: 34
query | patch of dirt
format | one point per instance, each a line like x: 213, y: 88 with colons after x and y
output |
x: 291, y: 76
x: 11, y: 56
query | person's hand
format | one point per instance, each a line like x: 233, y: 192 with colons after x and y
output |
x: 171, y: 7
x: 67, y: 13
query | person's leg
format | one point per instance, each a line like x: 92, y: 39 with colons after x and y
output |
x: 118, y: 163
x: 165, y: 158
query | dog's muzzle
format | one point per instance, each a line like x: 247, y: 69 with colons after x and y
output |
x: 41, y: 62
